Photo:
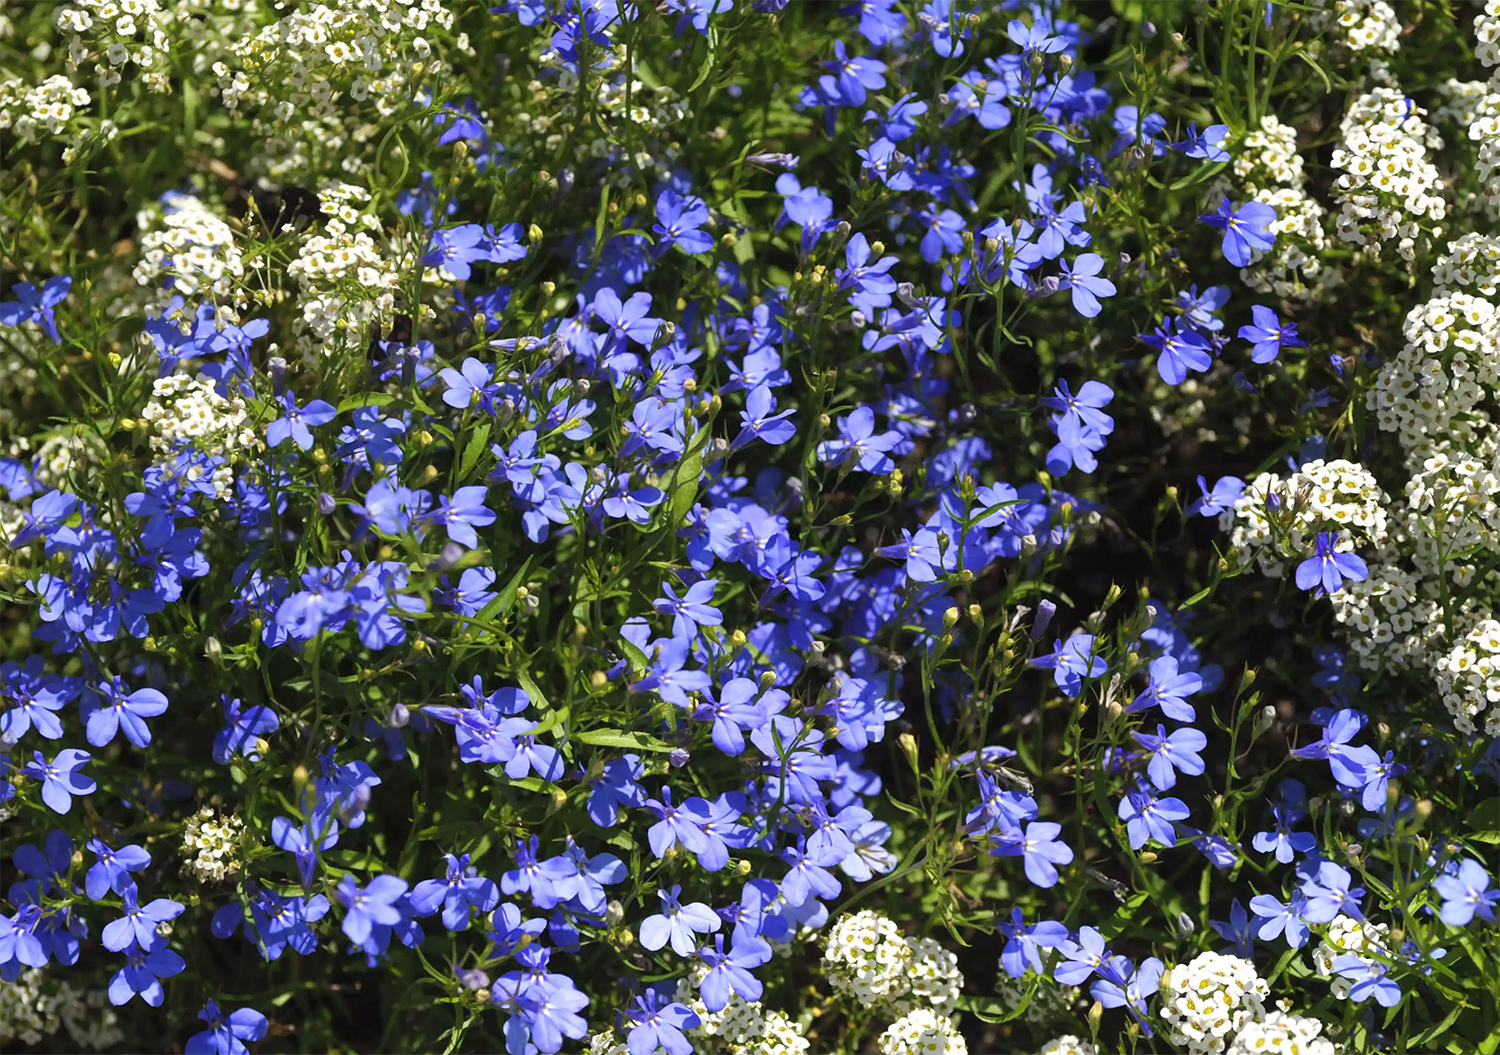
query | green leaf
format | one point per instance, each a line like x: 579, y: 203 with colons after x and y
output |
x: 538, y: 700
x: 367, y: 399
x: 619, y: 738
x: 638, y: 660
x: 474, y: 451
x: 708, y: 60
x: 685, y: 493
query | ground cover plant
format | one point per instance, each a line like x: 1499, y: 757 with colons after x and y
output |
x: 749, y: 527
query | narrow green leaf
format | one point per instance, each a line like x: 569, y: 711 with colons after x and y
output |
x: 474, y: 451
x: 618, y: 738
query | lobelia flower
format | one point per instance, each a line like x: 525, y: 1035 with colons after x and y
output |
x: 1180, y: 351
x: 678, y: 923
x: 1207, y: 144
x: 1378, y: 776
x: 1081, y: 958
x: 1171, y: 752
x: 1087, y: 288
x: 1168, y: 690
x: 679, y: 218
x: 1329, y: 894
x: 1466, y: 895
x: 730, y: 972
x: 61, y: 778
x: 1276, y: 918
x: 690, y: 611
x: 107, y: 709
x: 1244, y: 229
x: 139, y: 923
x: 1238, y: 930
x: 1328, y: 568
x: 1024, y: 944
x: 1039, y: 849
x: 243, y: 730
x: 1268, y: 335
x: 457, y: 892
x: 455, y: 248
x: 1370, y: 978
x: 1350, y: 764
x: 1284, y: 842
x: 1072, y: 661
x: 1132, y: 993
x: 1149, y: 819
x: 762, y: 421
x: 293, y: 423
x: 33, y: 305
x: 45, y: 514
x: 145, y: 966
x: 226, y: 1035
x: 1219, y: 499
x: 372, y: 906
x: 657, y: 1024
x: 112, y: 869
x: 35, y: 698
x: 860, y: 446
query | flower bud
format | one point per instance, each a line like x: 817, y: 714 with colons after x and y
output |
x: 976, y: 613
x: 950, y: 618
x: 598, y: 681
x: 534, y: 234
x: 1044, y: 613
x: 399, y: 716
x: 213, y: 650
x: 1148, y: 857
x: 1185, y: 926
x: 678, y: 757
x: 327, y: 504
x: 614, y: 913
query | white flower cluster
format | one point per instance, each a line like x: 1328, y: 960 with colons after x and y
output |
x: 348, y: 282
x: 297, y: 77
x: 1348, y: 935
x: 1281, y: 1033
x: 1067, y: 1044
x: 1468, y: 676
x: 922, y: 1032
x: 32, y: 1010
x: 1487, y: 34
x: 932, y: 975
x: 188, y: 251
x: 868, y: 956
x: 47, y: 110
x: 187, y: 410
x: 210, y: 845
x: 1266, y: 166
x: 743, y: 1027
x: 108, y: 34
x: 1363, y: 25
x: 1387, y: 184
x: 1207, y: 999
x: 1277, y: 519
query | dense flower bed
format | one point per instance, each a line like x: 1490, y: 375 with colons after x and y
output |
x: 749, y: 527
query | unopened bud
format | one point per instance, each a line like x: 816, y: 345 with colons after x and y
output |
x: 1185, y: 926
x: 598, y: 681
x: 534, y: 233
x: 213, y: 650
x: 767, y: 680
x: 738, y: 639
x: 950, y: 618
x: 300, y: 777
x: 614, y: 913
x: 1045, y: 610
x: 1423, y: 809
x: 678, y: 757
x: 975, y: 612
x: 1264, y: 720
x: 1148, y: 857
x: 400, y: 715
x: 327, y: 504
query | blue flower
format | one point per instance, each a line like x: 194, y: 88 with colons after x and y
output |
x: 1169, y: 753
x: 1208, y: 144
x: 374, y: 905
x: 144, y: 966
x: 1328, y: 568
x: 657, y: 1024
x: 1237, y: 929
x: 1329, y: 894
x: 1024, y: 944
x: 1072, y: 661
x: 139, y: 923
x: 1181, y: 351
x: 1276, y: 918
x: 457, y: 892
x: 679, y: 218
x: 1082, y: 278
x: 61, y: 778
x: 242, y: 730
x: 678, y: 923
x: 33, y: 305
x: 456, y: 248
x: 730, y: 972
x: 860, y: 446
x: 1133, y: 992
x: 293, y: 423
x: 107, y: 709
x: 1466, y: 894
x: 1370, y: 978
x: 1268, y: 335
x: 1169, y: 688
x: 692, y: 610
x: 1039, y: 849
x: 1081, y: 958
x: 226, y: 1035
x: 1219, y: 499
x: 1244, y: 229
x: 112, y: 869
x: 1149, y: 819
